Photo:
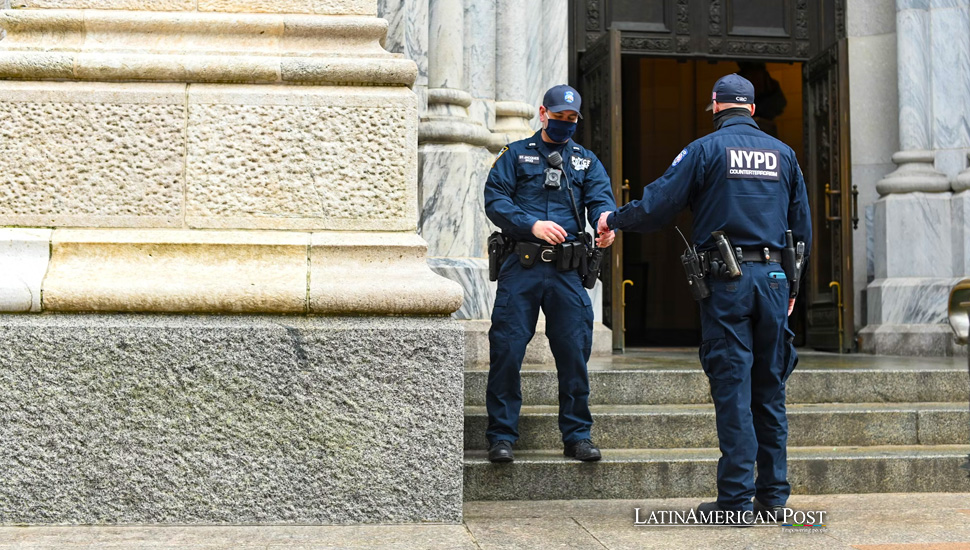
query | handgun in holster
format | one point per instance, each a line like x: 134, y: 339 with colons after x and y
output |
x: 498, y: 251
x: 594, y: 264
x: 792, y: 260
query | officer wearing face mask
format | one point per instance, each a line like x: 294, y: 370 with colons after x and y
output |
x: 751, y: 224
x: 542, y: 205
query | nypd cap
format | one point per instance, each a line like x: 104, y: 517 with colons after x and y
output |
x: 562, y: 98
x: 732, y: 88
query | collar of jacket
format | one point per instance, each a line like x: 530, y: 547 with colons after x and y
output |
x: 740, y: 120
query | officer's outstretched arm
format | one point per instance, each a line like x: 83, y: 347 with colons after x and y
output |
x: 499, y: 207
x: 664, y: 198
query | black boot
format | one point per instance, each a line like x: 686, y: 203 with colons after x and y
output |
x: 582, y: 450
x: 769, y: 514
x: 500, y: 451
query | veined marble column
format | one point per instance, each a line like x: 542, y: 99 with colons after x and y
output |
x: 453, y: 164
x: 513, y: 110
x: 915, y: 65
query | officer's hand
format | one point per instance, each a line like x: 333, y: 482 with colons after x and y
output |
x: 605, y: 239
x: 548, y: 231
x: 601, y: 226
x: 791, y: 306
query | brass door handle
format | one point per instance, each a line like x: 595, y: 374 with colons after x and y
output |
x: 626, y: 194
x: 828, y: 203
x: 623, y: 300
x: 855, y: 207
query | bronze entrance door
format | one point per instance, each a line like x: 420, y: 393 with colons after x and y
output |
x: 827, y: 291
x: 603, y: 134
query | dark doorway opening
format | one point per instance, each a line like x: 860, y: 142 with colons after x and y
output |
x: 663, y: 105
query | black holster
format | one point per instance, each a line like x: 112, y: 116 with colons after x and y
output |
x: 499, y: 248
x: 590, y: 268
x: 791, y: 263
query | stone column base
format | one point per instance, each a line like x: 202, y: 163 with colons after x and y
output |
x: 148, y: 419
x: 537, y: 353
x: 910, y: 340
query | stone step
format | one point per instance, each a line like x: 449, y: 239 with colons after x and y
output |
x: 673, y: 473
x: 693, y: 426
x: 689, y: 385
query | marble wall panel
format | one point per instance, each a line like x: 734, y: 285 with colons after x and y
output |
x: 472, y: 275
x: 870, y: 17
x: 873, y: 89
x: 912, y: 300
x: 276, y: 157
x: 950, y: 54
x: 453, y: 217
x: 865, y: 177
x: 912, y: 233
x: 94, y: 155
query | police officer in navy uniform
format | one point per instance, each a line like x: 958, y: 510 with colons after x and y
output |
x: 522, y: 203
x: 747, y: 184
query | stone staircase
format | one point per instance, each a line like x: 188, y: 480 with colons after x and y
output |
x: 858, y: 424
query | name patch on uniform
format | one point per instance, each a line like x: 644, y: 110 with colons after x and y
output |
x: 761, y: 164
x: 528, y: 159
x: 580, y: 163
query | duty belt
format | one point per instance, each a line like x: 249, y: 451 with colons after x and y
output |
x: 546, y: 253
x: 765, y: 255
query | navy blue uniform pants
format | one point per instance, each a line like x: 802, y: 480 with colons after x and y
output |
x: 747, y: 354
x: 569, y: 327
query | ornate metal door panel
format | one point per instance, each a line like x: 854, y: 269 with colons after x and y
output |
x: 827, y: 288
x: 730, y: 29
x: 603, y: 134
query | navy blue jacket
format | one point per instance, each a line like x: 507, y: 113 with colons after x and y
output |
x: 738, y: 180
x: 515, y: 198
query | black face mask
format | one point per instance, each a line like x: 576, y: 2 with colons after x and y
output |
x: 724, y: 115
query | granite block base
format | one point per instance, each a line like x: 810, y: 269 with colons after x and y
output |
x: 122, y: 419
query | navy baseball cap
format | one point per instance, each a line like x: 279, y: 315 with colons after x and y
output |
x: 732, y: 88
x: 562, y: 98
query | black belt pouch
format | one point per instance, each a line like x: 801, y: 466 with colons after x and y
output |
x: 528, y: 253
x: 564, y: 256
